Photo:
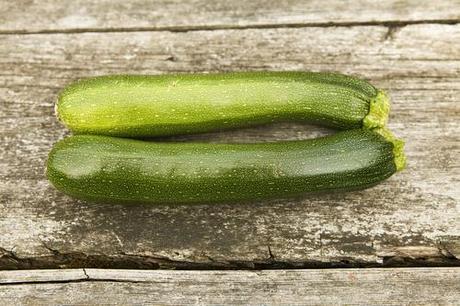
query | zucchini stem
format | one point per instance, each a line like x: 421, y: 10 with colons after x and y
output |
x: 379, y: 108
x: 398, y: 147
x: 376, y: 120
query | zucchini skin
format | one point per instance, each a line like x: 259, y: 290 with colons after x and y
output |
x: 139, y: 106
x: 117, y: 170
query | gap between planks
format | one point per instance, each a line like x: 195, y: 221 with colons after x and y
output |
x: 390, y: 24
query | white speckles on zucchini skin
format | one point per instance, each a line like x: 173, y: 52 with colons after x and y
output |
x: 134, y: 171
x: 143, y: 106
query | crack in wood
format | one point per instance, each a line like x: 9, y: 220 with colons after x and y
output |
x: 53, y: 251
x: 270, y: 253
x: 390, y: 24
x: 391, y: 32
x: 445, y: 250
x: 10, y: 261
x: 86, y: 278
x: 110, y: 275
x: 86, y: 274
x: 44, y: 282
x: 9, y: 253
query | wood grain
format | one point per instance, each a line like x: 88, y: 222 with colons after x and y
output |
x: 411, y: 219
x: 25, y: 16
x: 416, y: 286
x: 45, y: 276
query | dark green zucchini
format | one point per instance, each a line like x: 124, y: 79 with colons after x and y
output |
x: 107, y: 169
x: 144, y: 106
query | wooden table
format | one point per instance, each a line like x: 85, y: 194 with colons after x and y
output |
x: 409, y: 48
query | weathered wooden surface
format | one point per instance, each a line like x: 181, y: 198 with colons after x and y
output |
x: 415, y: 286
x: 413, y: 218
x: 46, y: 276
x: 24, y: 16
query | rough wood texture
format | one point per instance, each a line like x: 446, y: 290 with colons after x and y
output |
x: 416, y: 286
x: 410, y: 219
x: 24, y: 16
x: 413, y: 218
x: 46, y: 276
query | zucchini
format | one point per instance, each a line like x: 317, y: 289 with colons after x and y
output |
x: 119, y: 170
x: 145, y: 106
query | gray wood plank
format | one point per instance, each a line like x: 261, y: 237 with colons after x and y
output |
x: 412, y: 218
x: 43, y: 276
x: 109, y: 15
x: 415, y: 286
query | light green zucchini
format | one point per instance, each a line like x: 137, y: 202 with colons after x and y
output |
x: 145, y: 106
